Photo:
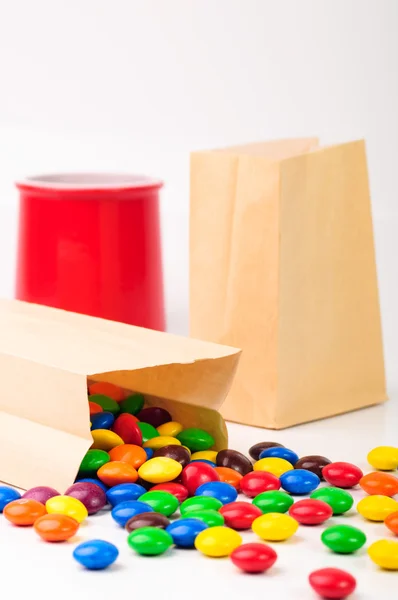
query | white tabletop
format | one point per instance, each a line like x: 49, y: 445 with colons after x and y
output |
x: 37, y: 567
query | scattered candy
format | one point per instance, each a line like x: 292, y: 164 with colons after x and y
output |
x: 124, y: 511
x: 195, y: 474
x: 200, y: 503
x: 210, y: 455
x: 253, y: 558
x: 66, y: 505
x: 102, y: 420
x: 92, y: 461
x: 24, y: 512
x: 299, y: 481
x: 150, y: 541
x: 185, y: 531
x: 217, y: 541
x: 132, y: 404
x: 177, y: 489
x: 212, y: 518
x: 277, y: 452
x: 148, y: 519
x: 332, y: 583
x: 256, y: 450
x: 340, y: 500
x: 154, y: 415
x: 92, y: 496
x: 310, y: 511
x: 107, y: 404
x: 343, y: 539
x: 95, y: 482
x: 128, y: 430
x: 55, y: 528
x: 383, y: 484
x: 275, y: 527
x: 384, y: 458
x: 160, y: 441
x: 376, y: 508
x: 148, y: 432
x: 94, y: 408
x: 257, y: 482
x: 342, y: 474
x: 124, y: 492
x: 172, y: 428
x: 240, y: 515
x: 196, y: 439
x: 178, y: 453
x: 234, y: 460
x: 161, y: 502
x: 160, y: 469
x: 392, y: 522
x: 207, y: 462
x: 95, y: 554
x: 385, y: 554
x: 130, y: 453
x: 313, y: 463
x: 107, y: 389
x: 273, y: 502
x: 116, y: 472
x: 41, y: 493
x: 276, y: 466
x: 228, y: 475
x: 224, y: 492
x: 7, y: 495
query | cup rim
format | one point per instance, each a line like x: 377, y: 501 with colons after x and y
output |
x: 88, y: 181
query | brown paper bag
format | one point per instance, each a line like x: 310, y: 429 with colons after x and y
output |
x: 47, y: 357
x: 282, y: 265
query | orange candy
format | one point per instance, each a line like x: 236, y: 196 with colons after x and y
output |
x: 107, y: 389
x: 115, y: 472
x: 24, y: 511
x: 392, y: 522
x: 383, y: 484
x: 56, y: 528
x: 94, y: 408
x: 129, y: 453
x: 230, y: 476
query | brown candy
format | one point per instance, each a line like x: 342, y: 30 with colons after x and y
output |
x: 234, y: 460
x: 149, y: 519
x: 256, y: 450
x: 175, y: 452
x: 313, y: 463
x: 154, y: 415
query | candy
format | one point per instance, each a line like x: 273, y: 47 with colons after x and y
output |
x: 94, y: 481
x: 149, y: 453
x: 160, y: 441
x: 177, y: 453
x: 150, y: 541
x: 107, y: 389
x: 172, y: 428
x: 210, y: 517
x: 332, y: 583
x: 129, y: 453
x: 275, y: 527
x: 342, y: 474
x: 257, y: 482
x: 102, y: 420
x: 94, y: 408
x: 313, y: 463
x: 128, y: 429
x: 132, y: 404
x: 149, y: 519
x: 228, y: 475
x: 196, y: 439
x: 90, y: 494
x: 200, y: 503
x: 147, y: 431
x: 276, y: 466
x: 106, y: 403
x: 385, y: 554
x: 154, y: 415
x: 92, y: 461
x: 208, y: 462
x: 66, y: 505
x: 254, y: 557
x: 384, y: 458
x: 256, y: 450
x: 299, y: 481
x: 217, y: 541
x: 217, y: 489
x: 95, y: 554
x: 277, y: 452
x: 382, y: 484
x: 234, y: 460
x: 161, y: 502
x: 24, y: 511
x: 210, y: 455
x: 240, y: 515
x: 116, y: 472
x: 392, y: 522
x: 343, y: 539
x: 7, y: 495
x: 124, y: 492
x: 310, y: 512
x: 103, y: 439
x: 376, y: 508
x: 273, y: 502
x: 160, y: 469
x: 177, y: 489
x: 185, y: 531
x: 195, y: 474
x: 340, y: 500
x: 124, y: 511
x: 55, y: 528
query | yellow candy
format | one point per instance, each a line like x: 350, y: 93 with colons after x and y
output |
x: 385, y: 554
x: 171, y: 428
x: 275, y: 527
x: 217, y: 541
x: 104, y: 439
x: 66, y: 505
x: 160, y: 469
x: 205, y: 455
x: 384, y: 458
x: 276, y: 466
x: 376, y: 508
x: 160, y: 441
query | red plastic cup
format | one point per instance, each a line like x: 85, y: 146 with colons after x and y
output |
x: 90, y: 243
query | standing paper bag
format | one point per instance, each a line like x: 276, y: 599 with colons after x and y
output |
x: 282, y: 265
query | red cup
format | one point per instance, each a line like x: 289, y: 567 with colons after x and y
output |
x: 90, y: 243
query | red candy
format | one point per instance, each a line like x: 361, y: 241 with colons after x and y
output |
x: 332, y: 583
x: 197, y: 473
x: 256, y: 482
x: 178, y: 490
x: 254, y: 558
x: 126, y: 427
x: 240, y: 515
x: 342, y: 474
x: 310, y: 512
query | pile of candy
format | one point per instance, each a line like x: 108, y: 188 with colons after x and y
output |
x: 146, y: 467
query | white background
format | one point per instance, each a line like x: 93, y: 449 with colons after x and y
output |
x: 135, y: 85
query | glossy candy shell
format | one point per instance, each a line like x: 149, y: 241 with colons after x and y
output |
x: 106, y: 403
x: 124, y: 511
x: 257, y: 482
x: 256, y: 450
x: 340, y: 500
x: 310, y: 511
x: 150, y: 541
x: 117, y: 472
x: 154, y: 415
x: 224, y: 492
x: 148, y: 519
x: 385, y: 554
x: 196, y: 474
x: 107, y: 389
x: 275, y: 527
x: 234, y: 460
x: 92, y: 461
x: 7, y: 495
x: 24, y: 512
x: 90, y: 494
x: 184, y: 531
x: 102, y: 420
x: 276, y: 466
x: 384, y: 458
x: 124, y: 492
x: 240, y: 515
x: 383, y: 484
x: 172, y: 428
x: 273, y: 502
x: 130, y: 453
x: 217, y: 541
x: 162, y: 502
x: 175, y: 452
x: 299, y: 481
x: 66, y: 505
x: 343, y: 539
x: 132, y: 404
x: 376, y: 508
x: 200, y: 503
x: 177, y: 489
x: 56, y: 528
x: 148, y: 432
x: 342, y: 474
x: 228, y: 475
x: 160, y: 470
x: 313, y: 463
x: 95, y: 554
x: 276, y: 452
x: 253, y: 557
x: 332, y: 583
x: 196, y: 439
x: 210, y: 517
x: 392, y: 522
x: 128, y: 429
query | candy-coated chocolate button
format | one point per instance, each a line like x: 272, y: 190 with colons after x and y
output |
x: 92, y: 461
x: 24, y: 512
x: 41, y: 493
x: 107, y: 404
x: 148, y: 432
x: 200, y: 503
x: 275, y: 527
x: 124, y: 492
x: 7, y: 495
x: 376, y: 508
x: 217, y: 541
x: 116, y: 472
x: 278, y: 452
x: 273, y: 501
x: 340, y: 500
x: 210, y: 517
x: 160, y: 441
x: 102, y: 420
x: 94, y: 481
x: 127, y: 428
x: 256, y: 450
x: 124, y: 511
x: 385, y: 554
x: 224, y: 492
x: 161, y: 502
x: 107, y: 389
x: 171, y: 429
x: 383, y: 484
x: 129, y: 453
x: 343, y: 539
x: 150, y: 541
x: 185, y: 531
x: 257, y: 482
x: 66, y: 505
x: 342, y: 474
x: 196, y: 439
x: 313, y: 463
x: 154, y: 415
x: 95, y: 554
x: 103, y: 439
x: 94, y: 408
x: 276, y: 466
x: 332, y: 583
x: 132, y: 404
x: 240, y: 515
x: 177, y: 489
x: 210, y: 455
x: 56, y: 528
x: 160, y: 470
x: 310, y: 511
x: 392, y: 522
x: 234, y: 460
x: 254, y: 557
x: 299, y: 481
x: 384, y: 458
x: 90, y: 494
x: 230, y: 476
x: 148, y: 519
x: 197, y: 473
x: 177, y: 453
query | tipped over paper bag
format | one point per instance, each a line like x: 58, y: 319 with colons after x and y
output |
x: 47, y: 357
x: 282, y: 265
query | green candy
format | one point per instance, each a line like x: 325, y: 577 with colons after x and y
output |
x: 107, y: 404
x: 92, y: 461
x: 340, y: 500
x: 132, y: 404
x: 273, y: 501
x: 196, y: 439
x: 161, y: 502
x: 212, y: 518
x: 150, y: 541
x: 199, y: 503
x: 148, y: 431
x: 343, y: 539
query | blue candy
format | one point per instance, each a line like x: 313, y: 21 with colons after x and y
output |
x: 124, y: 492
x: 224, y: 492
x: 95, y: 554
x: 184, y: 531
x: 95, y: 481
x: 299, y: 481
x: 277, y: 452
x: 7, y: 495
x: 122, y: 512
x: 149, y: 452
x: 102, y: 420
x: 203, y: 460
